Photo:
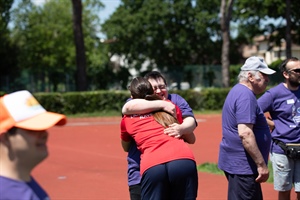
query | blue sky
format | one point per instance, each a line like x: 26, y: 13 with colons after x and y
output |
x: 110, y: 7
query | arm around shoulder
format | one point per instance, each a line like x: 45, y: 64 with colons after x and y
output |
x: 189, y: 138
x: 188, y: 127
x: 142, y: 106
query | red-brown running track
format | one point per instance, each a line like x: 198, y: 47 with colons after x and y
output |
x: 86, y: 161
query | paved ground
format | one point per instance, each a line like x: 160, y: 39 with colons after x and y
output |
x: 87, y: 162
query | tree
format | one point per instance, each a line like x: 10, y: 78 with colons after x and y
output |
x: 8, y: 50
x: 288, y: 29
x: 167, y: 34
x: 274, y: 18
x: 45, y: 38
x: 5, y: 6
x: 226, y: 11
x: 81, y: 82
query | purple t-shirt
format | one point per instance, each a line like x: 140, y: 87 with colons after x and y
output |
x: 12, y: 190
x: 241, y: 107
x: 133, y: 158
x: 284, y: 108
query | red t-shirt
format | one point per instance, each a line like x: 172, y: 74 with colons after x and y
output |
x: 156, y: 147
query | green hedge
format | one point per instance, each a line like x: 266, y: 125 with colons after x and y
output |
x: 102, y: 101
x: 83, y: 102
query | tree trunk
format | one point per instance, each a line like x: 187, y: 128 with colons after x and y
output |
x: 288, y: 37
x: 225, y: 10
x: 81, y: 80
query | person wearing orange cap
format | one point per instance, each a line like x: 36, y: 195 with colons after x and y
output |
x: 23, y: 137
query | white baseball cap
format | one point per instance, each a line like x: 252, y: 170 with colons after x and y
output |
x: 257, y: 64
x: 20, y: 109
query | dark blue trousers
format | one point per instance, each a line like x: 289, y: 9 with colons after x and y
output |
x: 243, y: 187
x: 177, y: 179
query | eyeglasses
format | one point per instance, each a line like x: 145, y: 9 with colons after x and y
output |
x: 295, y: 70
x: 161, y: 87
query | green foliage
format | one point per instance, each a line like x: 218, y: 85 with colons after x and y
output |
x: 83, y: 102
x: 234, y: 71
x: 8, y: 50
x: 169, y: 34
x: 104, y: 101
x: 44, y: 35
x: 5, y: 6
x: 214, y: 98
x: 195, y: 99
x: 264, y: 18
x: 2, y: 93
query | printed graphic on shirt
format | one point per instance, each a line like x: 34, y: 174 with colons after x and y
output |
x: 141, y: 116
x: 296, y: 112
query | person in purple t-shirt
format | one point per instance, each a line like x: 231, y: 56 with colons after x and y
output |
x: 23, y: 137
x: 283, y: 104
x: 140, y: 106
x: 245, y: 144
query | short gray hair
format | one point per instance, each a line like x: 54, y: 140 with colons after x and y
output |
x: 243, y: 75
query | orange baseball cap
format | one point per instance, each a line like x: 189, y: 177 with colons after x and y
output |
x: 20, y: 109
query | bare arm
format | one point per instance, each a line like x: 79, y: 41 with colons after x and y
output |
x: 249, y: 142
x: 270, y: 122
x: 142, y: 106
x: 184, y: 130
x: 125, y: 145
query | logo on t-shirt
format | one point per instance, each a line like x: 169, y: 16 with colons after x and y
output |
x: 142, y: 116
x: 296, y: 112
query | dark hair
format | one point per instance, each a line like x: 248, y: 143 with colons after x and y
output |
x: 12, y: 131
x: 155, y: 75
x: 282, y: 66
x: 141, y: 88
x: 9, y: 132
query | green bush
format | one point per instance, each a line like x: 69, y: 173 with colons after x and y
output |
x: 83, y: 102
x: 71, y: 103
x: 214, y: 98
x: 194, y: 98
x: 101, y: 101
x: 2, y: 93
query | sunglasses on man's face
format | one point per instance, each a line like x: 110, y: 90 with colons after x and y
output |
x: 294, y: 70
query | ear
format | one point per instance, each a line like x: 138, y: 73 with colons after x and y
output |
x: 286, y: 75
x: 250, y: 77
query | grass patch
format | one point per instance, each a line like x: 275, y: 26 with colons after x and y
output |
x: 213, y: 169
x: 210, y: 168
x: 270, y: 179
x: 207, y: 112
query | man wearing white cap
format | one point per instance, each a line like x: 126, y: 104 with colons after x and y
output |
x: 23, y: 138
x: 245, y: 144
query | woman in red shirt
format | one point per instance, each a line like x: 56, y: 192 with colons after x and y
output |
x: 168, y: 166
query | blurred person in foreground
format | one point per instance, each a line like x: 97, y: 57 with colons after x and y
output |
x: 245, y: 144
x: 142, y: 106
x: 168, y: 166
x: 23, y: 137
x: 283, y: 104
